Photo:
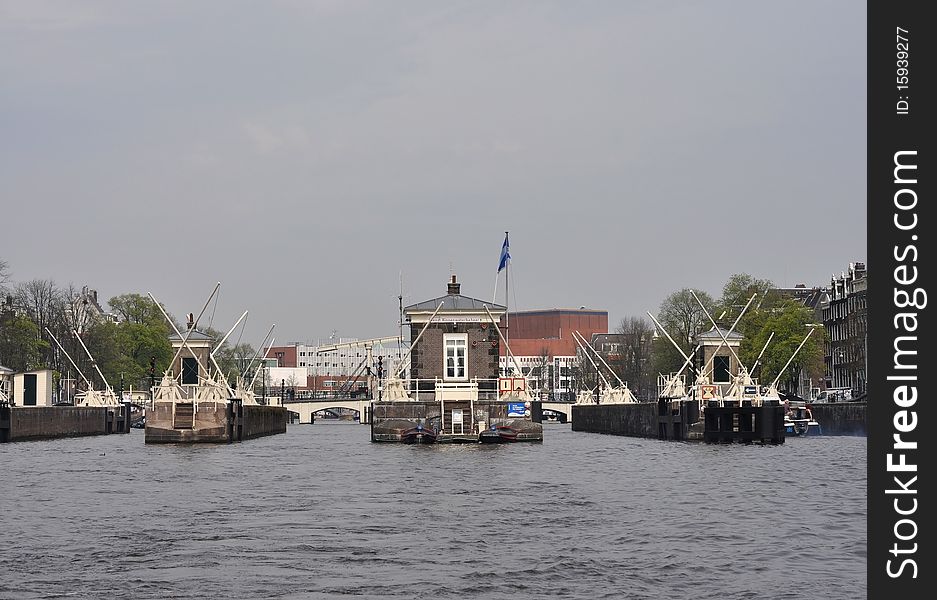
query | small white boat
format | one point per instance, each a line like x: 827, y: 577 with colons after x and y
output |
x: 798, y: 419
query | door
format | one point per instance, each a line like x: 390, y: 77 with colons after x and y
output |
x: 29, y: 389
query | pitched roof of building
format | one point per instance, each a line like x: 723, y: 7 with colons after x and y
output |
x: 608, y: 338
x: 193, y: 337
x: 712, y: 334
x: 454, y: 302
x: 809, y: 297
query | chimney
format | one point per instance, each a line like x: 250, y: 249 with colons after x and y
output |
x: 191, y: 322
x: 453, y: 287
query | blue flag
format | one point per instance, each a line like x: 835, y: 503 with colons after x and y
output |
x: 505, y: 254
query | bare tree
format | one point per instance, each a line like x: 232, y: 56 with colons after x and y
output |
x: 544, y: 370
x: 634, y: 358
x: 683, y: 317
x: 4, y: 276
x: 39, y: 299
x: 586, y: 376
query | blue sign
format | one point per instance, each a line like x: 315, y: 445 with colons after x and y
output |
x: 751, y: 390
x: 515, y: 409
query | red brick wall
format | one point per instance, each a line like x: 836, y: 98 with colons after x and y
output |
x: 288, y: 358
x: 530, y: 331
x: 426, y: 360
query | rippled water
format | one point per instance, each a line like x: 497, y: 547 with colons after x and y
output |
x: 321, y: 512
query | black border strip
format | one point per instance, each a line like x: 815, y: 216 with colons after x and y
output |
x: 901, y: 271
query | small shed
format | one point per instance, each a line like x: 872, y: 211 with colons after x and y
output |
x: 716, y: 360
x: 33, y: 388
x: 191, y: 364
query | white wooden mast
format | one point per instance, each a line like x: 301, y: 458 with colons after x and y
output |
x: 719, y: 331
x: 594, y: 364
x: 760, y: 354
x: 57, y: 343
x: 504, y: 340
x: 267, y: 351
x: 787, y: 364
x: 185, y: 339
x: 585, y: 341
x: 230, y: 331
x: 399, y: 368
x: 675, y: 345
x: 94, y: 363
x: 261, y: 348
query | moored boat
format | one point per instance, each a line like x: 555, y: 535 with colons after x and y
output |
x: 798, y: 419
x: 418, y: 435
x: 498, y: 434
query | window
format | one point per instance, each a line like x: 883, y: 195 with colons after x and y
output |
x: 189, y: 371
x: 721, y: 369
x: 456, y: 350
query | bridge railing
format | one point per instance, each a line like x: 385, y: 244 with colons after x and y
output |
x: 425, y: 389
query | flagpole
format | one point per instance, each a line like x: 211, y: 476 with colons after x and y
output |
x: 507, y: 317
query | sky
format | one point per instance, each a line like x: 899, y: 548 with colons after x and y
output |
x: 310, y: 156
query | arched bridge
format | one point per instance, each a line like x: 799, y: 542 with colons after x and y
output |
x: 563, y: 411
x: 305, y: 408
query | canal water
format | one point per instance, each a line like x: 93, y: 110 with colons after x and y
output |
x: 321, y: 512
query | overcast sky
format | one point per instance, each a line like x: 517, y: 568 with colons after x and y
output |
x: 304, y: 154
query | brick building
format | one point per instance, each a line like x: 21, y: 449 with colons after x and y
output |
x: 542, y: 341
x: 845, y: 317
x: 460, y: 345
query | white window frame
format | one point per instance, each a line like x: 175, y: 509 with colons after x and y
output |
x: 455, y: 337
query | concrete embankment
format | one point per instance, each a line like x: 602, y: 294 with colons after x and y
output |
x: 212, y: 422
x: 841, y: 418
x: 637, y: 420
x: 264, y: 420
x: 18, y: 423
x: 642, y: 419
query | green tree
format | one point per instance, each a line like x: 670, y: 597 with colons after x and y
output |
x: 789, y: 322
x: 739, y: 289
x: 125, y: 348
x: 234, y: 359
x: 683, y: 318
x: 20, y: 344
x: 634, y: 361
x: 136, y: 308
